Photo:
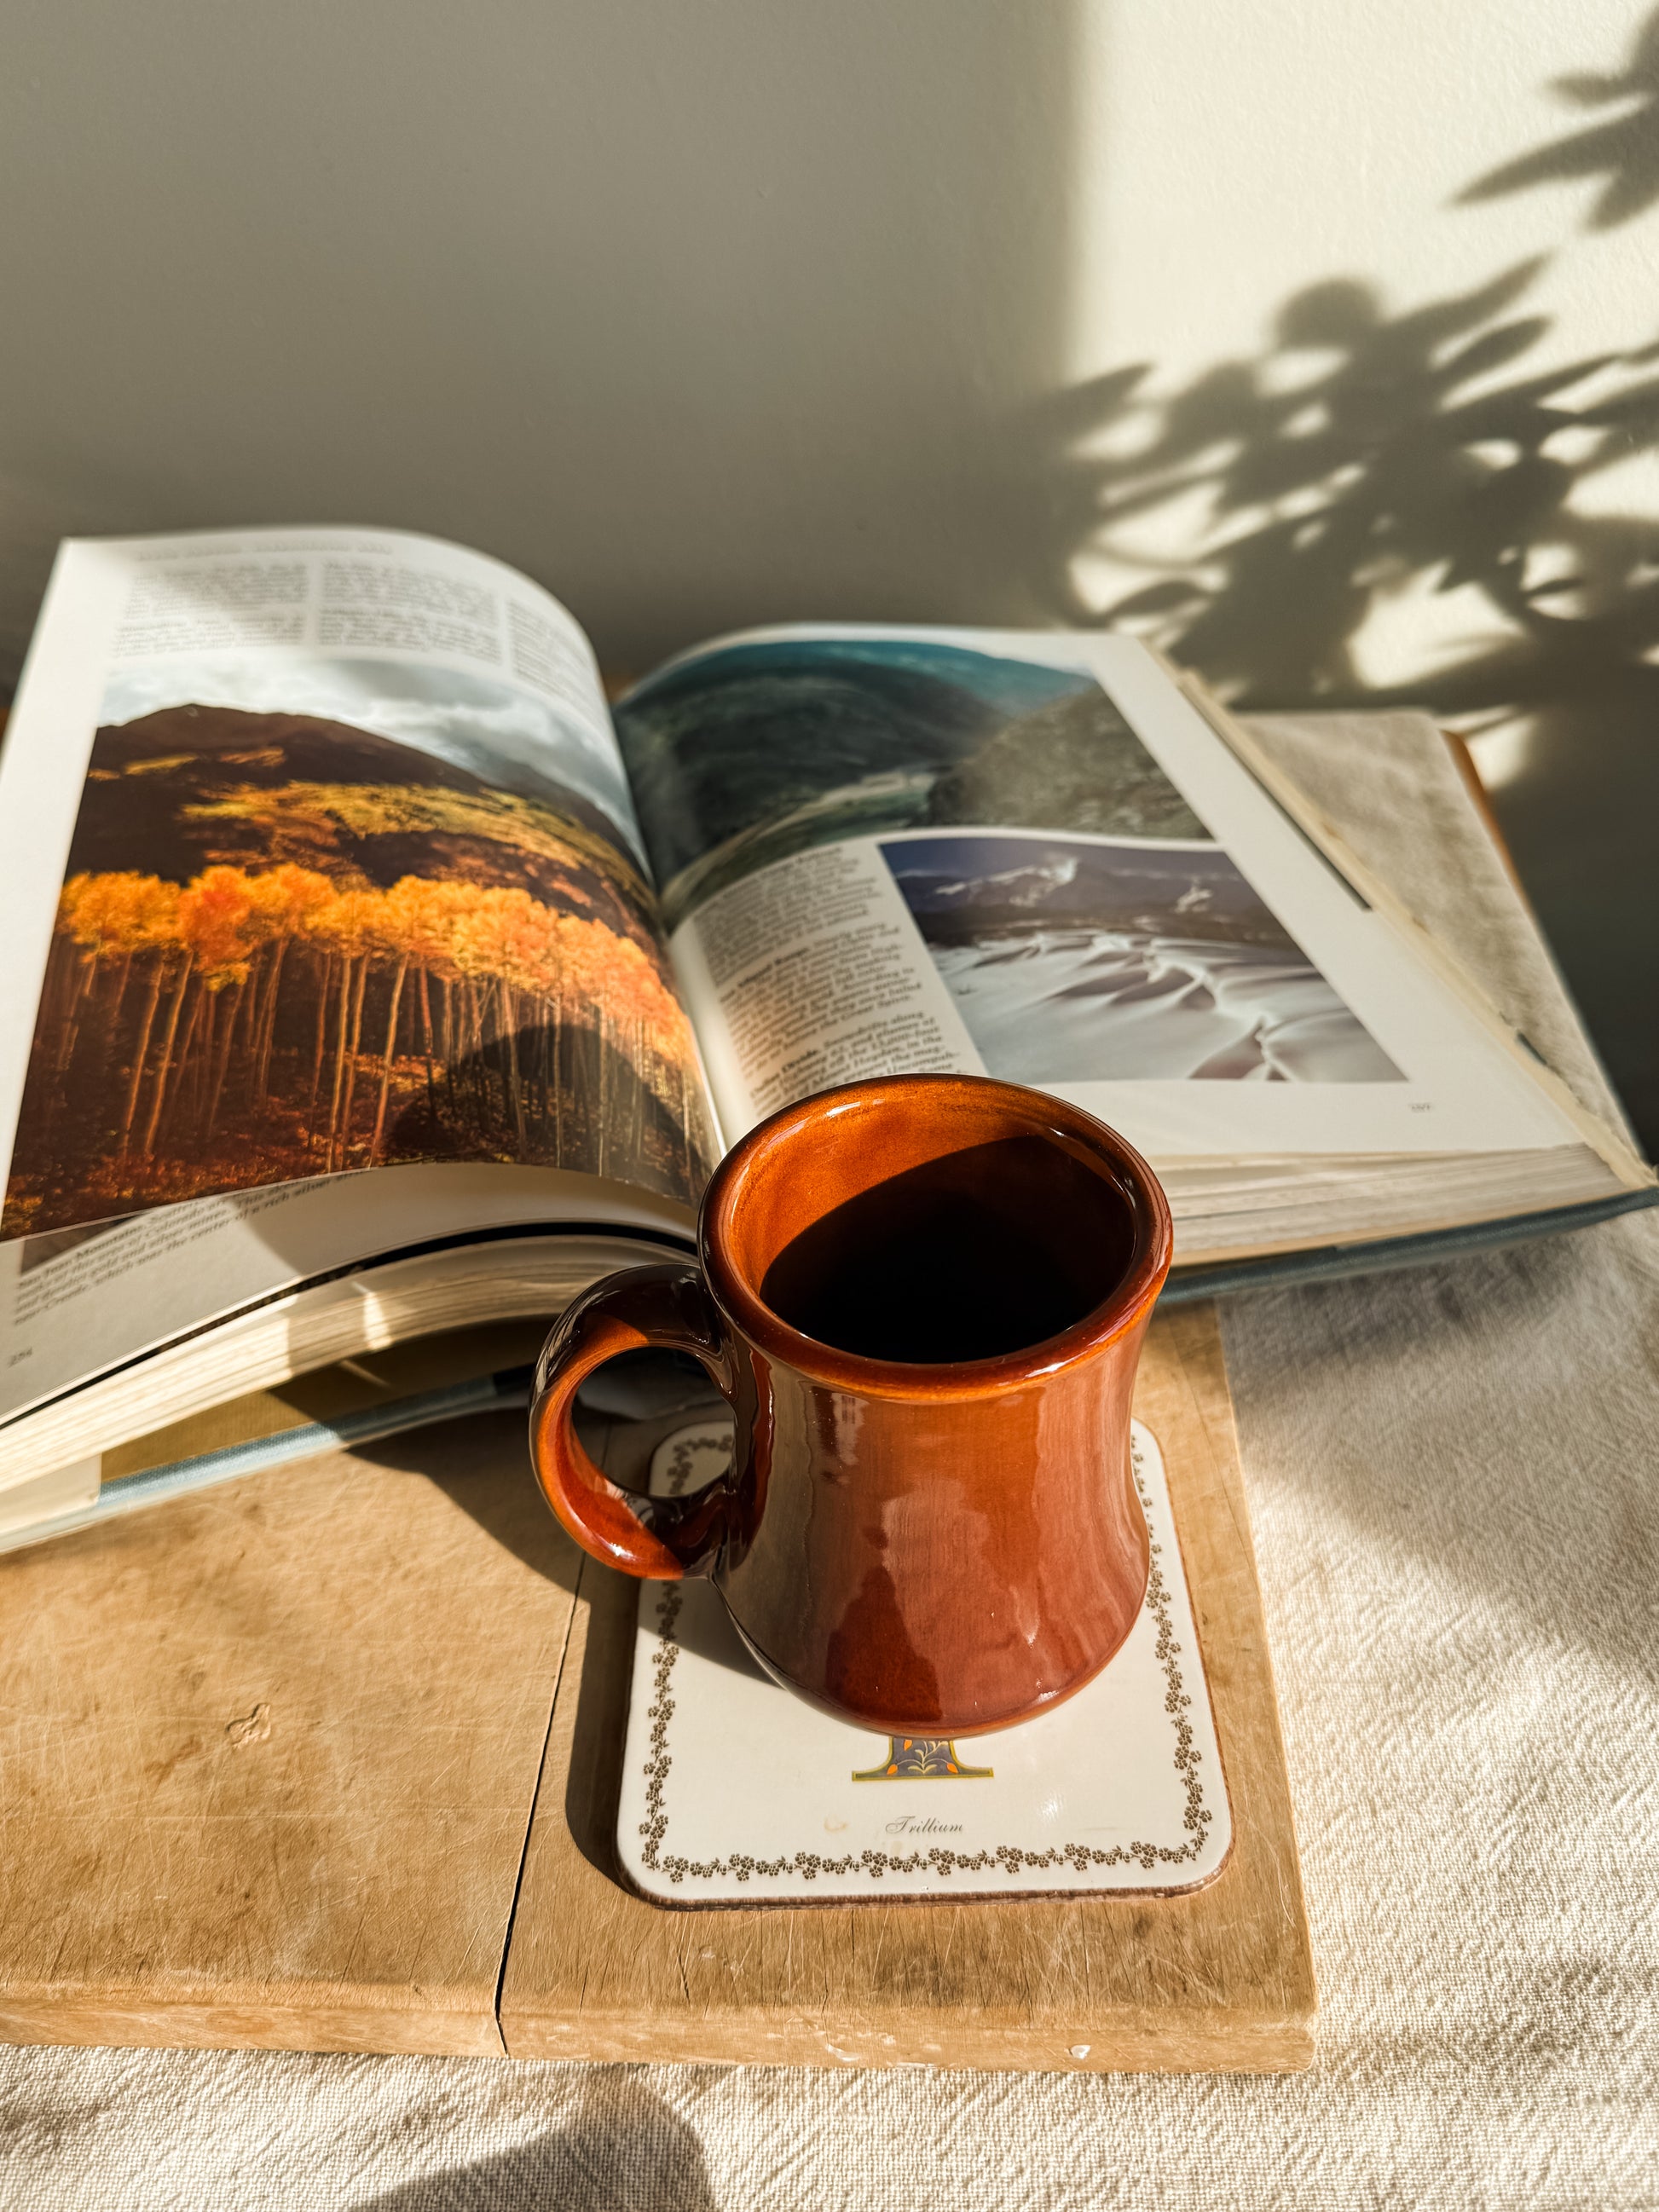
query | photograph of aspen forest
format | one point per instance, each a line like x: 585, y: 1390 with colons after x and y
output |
x: 287, y: 946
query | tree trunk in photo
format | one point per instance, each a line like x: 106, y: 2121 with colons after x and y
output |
x: 225, y: 1049
x: 201, y: 1073
x: 342, y: 1025
x: 118, y: 995
x: 505, y: 1000
x: 57, y: 996
x: 446, y: 1055
x: 468, y: 1049
x: 178, y: 1084
x: 109, y: 1029
x: 80, y: 984
x: 268, y: 1026
x: 641, y: 1092
x: 605, y: 1080
x: 385, y: 1064
x: 543, y: 1094
x: 250, y: 996
x: 351, y: 1058
x: 140, y: 1052
x: 558, y: 1079
x: 324, y: 980
x: 155, y: 1120
x: 426, y: 1041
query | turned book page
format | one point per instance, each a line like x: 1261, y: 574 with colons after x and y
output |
x: 332, y: 930
x: 1027, y: 856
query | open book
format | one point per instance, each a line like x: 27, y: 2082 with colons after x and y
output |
x: 369, y: 976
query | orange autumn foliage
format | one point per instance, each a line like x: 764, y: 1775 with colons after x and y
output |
x: 442, y: 971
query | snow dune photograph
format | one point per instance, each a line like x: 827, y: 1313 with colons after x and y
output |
x: 1118, y: 960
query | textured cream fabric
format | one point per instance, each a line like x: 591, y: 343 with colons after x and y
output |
x: 1455, y: 1480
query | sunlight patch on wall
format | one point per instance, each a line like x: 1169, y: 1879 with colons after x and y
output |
x: 1437, y: 228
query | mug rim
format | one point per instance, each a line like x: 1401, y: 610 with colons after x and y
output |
x: 1127, y: 1304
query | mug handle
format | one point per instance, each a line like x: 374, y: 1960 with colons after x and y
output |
x: 657, y: 1539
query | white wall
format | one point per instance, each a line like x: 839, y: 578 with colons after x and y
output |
x: 730, y: 309
x: 713, y: 312
x: 702, y: 311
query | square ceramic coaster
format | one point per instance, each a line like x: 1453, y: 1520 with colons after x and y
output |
x: 734, y: 1792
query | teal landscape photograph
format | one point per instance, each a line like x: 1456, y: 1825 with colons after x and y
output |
x: 742, y: 756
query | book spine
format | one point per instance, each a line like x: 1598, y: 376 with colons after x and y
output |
x: 1333, y: 1262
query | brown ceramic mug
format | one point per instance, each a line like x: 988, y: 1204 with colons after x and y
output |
x: 924, y: 1298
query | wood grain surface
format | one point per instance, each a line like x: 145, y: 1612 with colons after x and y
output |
x: 268, y: 1755
x: 269, y: 1758
x: 1220, y: 1978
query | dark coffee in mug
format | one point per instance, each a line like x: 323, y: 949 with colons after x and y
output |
x: 990, y: 1249
x: 923, y: 1298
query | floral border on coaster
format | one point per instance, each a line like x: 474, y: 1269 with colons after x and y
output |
x: 1011, y: 1858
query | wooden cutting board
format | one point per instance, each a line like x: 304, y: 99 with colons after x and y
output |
x: 268, y: 1754
x: 328, y: 1759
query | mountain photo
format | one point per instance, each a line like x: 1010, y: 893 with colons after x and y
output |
x: 288, y: 946
x: 742, y: 756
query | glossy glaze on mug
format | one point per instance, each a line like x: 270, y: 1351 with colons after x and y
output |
x: 933, y: 1549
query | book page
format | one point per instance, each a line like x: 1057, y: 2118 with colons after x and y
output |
x: 78, y: 1302
x: 317, y: 863
x: 1027, y: 856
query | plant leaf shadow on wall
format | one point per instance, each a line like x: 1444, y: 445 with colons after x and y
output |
x: 1268, y: 509
x: 1624, y: 148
